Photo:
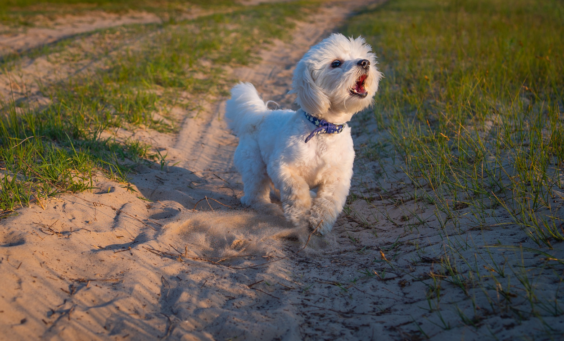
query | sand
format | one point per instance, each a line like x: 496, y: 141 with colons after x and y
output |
x: 193, y: 264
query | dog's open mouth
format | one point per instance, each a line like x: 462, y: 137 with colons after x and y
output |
x: 358, y: 88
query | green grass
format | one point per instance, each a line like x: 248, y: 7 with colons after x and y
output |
x: 471, y: 112
x: 185, y: 59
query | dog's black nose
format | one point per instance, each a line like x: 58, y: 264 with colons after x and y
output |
x: 364, y: 63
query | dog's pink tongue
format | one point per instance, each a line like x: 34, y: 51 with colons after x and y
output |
x: 360, y: 84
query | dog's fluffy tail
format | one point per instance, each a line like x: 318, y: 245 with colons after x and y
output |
x: 245, y: 109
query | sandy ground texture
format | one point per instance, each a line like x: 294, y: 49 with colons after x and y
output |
x: 193, y: 264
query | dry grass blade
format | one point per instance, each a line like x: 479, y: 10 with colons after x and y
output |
x: 220, y: 202
x: 207, y: 200
x: 311, y: 234
x: 50, y: 229
x: 255, y: 283
x: 22, y: 141
x: 264, y: 292
x: 209, y: 203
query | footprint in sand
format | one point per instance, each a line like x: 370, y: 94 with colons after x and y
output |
x: 9, y: 239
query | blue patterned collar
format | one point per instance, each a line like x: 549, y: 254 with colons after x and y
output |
x: 323, y: 127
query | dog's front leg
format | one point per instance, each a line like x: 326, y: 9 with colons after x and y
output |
x: 328, y: 204
x: 294, y: 194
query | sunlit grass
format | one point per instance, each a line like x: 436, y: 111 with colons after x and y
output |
x: 473, y: 101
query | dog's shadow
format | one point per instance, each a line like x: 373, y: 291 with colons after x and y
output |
x: 205, y: 209
x: 176, y: 189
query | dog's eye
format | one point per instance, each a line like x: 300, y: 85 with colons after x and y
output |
x: 336, y: 63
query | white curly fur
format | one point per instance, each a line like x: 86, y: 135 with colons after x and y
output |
x: 272, y: 150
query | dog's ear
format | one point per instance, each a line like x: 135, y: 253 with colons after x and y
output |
x: 311, y: 97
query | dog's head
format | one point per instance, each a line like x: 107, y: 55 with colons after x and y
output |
x: 336, y: 78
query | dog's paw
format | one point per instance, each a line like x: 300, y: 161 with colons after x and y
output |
x: 321, y: 217
x: 295, y: 215
x: 246, y: 200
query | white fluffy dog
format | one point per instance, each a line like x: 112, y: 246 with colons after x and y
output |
x: 311, y: 148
